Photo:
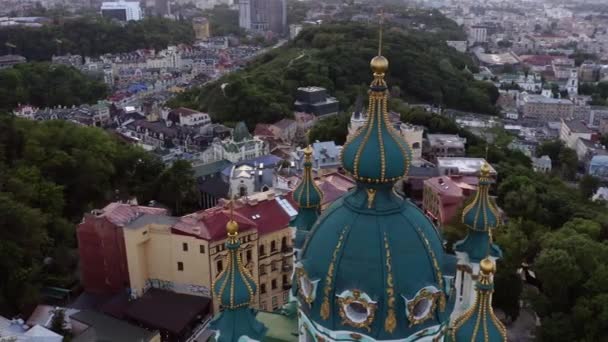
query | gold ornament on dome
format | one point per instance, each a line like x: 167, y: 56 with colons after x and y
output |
x: 357, y: 299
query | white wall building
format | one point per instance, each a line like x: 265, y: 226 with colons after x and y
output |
x: 122, y: 10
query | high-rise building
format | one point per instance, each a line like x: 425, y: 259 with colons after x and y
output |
x: 263, y: 15
x: 122, y: 10
x: 201, y: 28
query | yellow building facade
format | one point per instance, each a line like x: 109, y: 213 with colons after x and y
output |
x: 186, y: 254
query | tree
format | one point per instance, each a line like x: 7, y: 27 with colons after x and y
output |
x: 588, y: 185
x: 178, y: 187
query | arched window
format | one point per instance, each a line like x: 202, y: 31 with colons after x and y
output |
x: 220, y: 266
x: 262, y: 251
x: 416, y: 145
x: 273, y: 246
x: 284, y: 243
x: 243, y: 191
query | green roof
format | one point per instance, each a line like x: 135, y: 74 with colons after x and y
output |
x: 377, y: 153
x: 235, y: 290
x: 281, y: 328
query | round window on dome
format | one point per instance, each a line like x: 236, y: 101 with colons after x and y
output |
x: 422, y: 307
x: 306, y: 287
x: 356, y: 309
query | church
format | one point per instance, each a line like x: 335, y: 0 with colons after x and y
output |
x: 373, y: 267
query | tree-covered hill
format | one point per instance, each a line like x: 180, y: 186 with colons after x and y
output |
x: 47, y: 85
x: 95, y: 36
x: 336, y: 56
x: 50, y: 174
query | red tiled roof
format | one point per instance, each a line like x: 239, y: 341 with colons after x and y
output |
x: 272, y: 217
x: 210, y: 224
x: 263, y: 130
x: 122, y: 213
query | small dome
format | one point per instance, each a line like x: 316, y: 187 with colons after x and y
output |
x: 479, y: 323
x: 234, y: 286
x: 480, y: 216
x: 377, y: 153
x: 307, y: 194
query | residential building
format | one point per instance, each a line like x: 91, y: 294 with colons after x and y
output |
x: 462, y: 166
x: 263, y: 16
x: 598, y: 167
x: 459, y: 45
x: 596, y: 115
x: 315, y: 100
x: 122, y: 10
x: 542, y: 164
x: 201, y: 28
x: 188, y: 117
x: 441, y: 199
x: 8, y: 61
x: 546, y: 109
x: 572, y: 130
x: 326, y: 155
x: 101, y: 246
x: 478, y: 34
x: 444, y: 145
x: 239, y: 147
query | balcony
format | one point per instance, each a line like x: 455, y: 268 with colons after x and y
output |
x: 287, y: 251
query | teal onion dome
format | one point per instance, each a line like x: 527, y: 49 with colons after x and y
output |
x: 481, y: 213
x: 309, y: 197
x: 479, y: 323
x: 377, y: 153
x: 235, y: 290
x: 307, y: 194
x: 374, y: 265
x: 480, y: 217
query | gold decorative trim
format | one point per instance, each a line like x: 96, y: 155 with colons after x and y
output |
x: 482, y: 307
x: 424, y: 294
x: 344, y: 302
x: 390, y: 323
x: 325, y: 306
x: 371, y: 195
x: 301, y: 272
x: 438, y: 275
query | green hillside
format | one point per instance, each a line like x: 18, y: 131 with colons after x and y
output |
x: 336, y: 56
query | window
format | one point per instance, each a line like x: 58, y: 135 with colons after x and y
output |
x: 263, y: 306
x: 285, y: 296
x: 273, y: 266
x: 285, y: 280
x: 220, y: 266
x: 274, y: 284
x: 273, y: 246
x: 185, y: 247
x: 202, y: 249
x: 248, y: 255
x: 284, y: 243
x: 262, y: 288
x: 275, y: 303
x: 262, y: 251
x: 180, y: 266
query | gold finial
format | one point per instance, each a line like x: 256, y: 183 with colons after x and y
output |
x: 379, y: 64
x: 485, y: 169
x: 487, y: 266
x: 308, y: 153
x: 232, y: 227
